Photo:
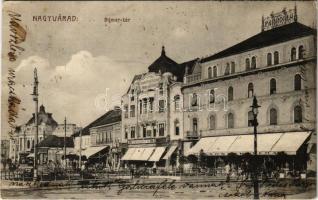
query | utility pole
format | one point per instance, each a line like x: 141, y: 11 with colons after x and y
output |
x: 80, y: 150
x: 65, y: 142
x: 35, y: 99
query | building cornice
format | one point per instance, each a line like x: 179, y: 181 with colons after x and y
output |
x: 249, y: 72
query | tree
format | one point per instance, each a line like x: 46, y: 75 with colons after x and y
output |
x: 192, y: 159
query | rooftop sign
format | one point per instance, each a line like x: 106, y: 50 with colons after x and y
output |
x: 279, y: 19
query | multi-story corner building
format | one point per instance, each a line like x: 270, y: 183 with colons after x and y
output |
x: 23, y: 138
x: 152, y: 118
x: 278, y: 66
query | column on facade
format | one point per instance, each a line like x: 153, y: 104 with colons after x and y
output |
x: 148, y: 104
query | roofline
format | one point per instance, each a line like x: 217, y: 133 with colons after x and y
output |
x: 208, y: 59
x: 250, y: 72
x: 106, y: 124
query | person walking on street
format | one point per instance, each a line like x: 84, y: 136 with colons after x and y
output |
x: 132, y: 172
x: 227, y: 172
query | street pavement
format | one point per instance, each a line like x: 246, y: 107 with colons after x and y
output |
x: 172, y: 189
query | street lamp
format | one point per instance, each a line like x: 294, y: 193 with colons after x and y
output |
x: 255, y: 107
x: 35, y: 95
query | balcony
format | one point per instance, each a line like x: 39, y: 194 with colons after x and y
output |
x: 191, y: 135
x: 193, y: 78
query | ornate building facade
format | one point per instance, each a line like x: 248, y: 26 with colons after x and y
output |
x: 23, y: 138
x: 278, y: 66
x: 152, y: 116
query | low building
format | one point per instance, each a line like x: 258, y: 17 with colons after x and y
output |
x: 106, y: 134
x: 99, y: 142
x: 52, y: 148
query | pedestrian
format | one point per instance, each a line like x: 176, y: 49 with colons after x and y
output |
x: 227, y: 172
x: 132, y: 172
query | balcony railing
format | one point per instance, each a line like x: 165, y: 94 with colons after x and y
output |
x: 192, y: 134
x: 193, y: 78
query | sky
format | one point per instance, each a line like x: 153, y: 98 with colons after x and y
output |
x: 84, y: 67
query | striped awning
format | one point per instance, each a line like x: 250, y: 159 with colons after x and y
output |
x: 155, y: 157
x: 170, y: 152
x: 269, y: 143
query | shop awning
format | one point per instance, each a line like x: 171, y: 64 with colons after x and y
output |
x: 221, y: 145
x: 170, y: 152
x: 157, y: 154
x: 141, y: 154
x: 129, y: 154
x: 290, y: 142
x: 147, y: 152
x: 271, y: 144
x: 204, y: 144
x: 137, y: 154
x: 90, y: 151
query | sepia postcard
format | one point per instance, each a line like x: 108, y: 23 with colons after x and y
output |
x: 158, y: 100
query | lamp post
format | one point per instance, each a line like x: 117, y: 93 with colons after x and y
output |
x: 35, y: 95
x: 255, y: 107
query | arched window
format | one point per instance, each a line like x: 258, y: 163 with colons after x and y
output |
x: 297, y: 82
x: 195, y: 125
x: 227, y: 69
x: 272, y: 86
x: 176, y: 102
x: 232, y: 67
x: 210, y: 72
x: 177, y: 127
x: 276, y: 57
x: 250, y: 90
x: 212, y: 122
x: 253, y: 66
x: 293, y: 54
x: 298, y: 118
x: 230, y: 120
x: 212, y: 96
x: 215, y: 71
x: 230, y: 93
x: 269, y: 59
x: 301, y: 52
x: 194, y: 101
x: 28, y: 144
x: 250, y: 118
x: 247, y: 63
x: 273, y: 116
